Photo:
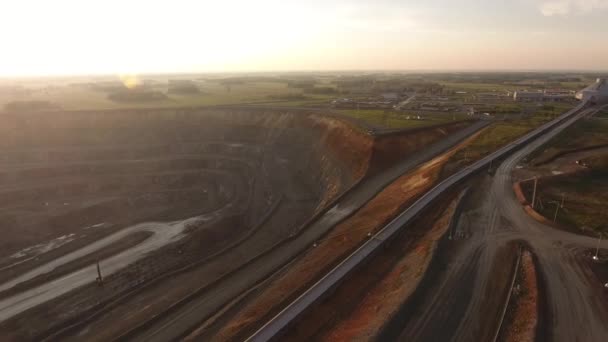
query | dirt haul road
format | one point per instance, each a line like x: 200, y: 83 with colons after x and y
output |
x: 163, y: 233
x: 573, y: 313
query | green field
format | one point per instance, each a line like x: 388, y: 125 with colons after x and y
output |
x: 586, y: 196
x: 78, y: 97
x: 602, y: 114
x: 501, y: 133
x: 483, y: 87
x: 393, y: 119
x: 585, y: 133
x: 292, y: 90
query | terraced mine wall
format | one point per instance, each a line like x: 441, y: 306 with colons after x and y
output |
x: 68, y: 179
x: 62, y: 171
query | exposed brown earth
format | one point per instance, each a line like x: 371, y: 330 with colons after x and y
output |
x: 390, y: 148
x: 58, y: 163
x: 344, y: 238
x: 499, y: 285
x: 139, y: 159
x: 522, y: 320
x: 268, y: 172
x: 359, y: 309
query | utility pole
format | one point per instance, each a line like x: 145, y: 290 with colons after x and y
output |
x: 597, y: 249
x: 99, y: 277
x: 563, y: 198
x: 534, y: 192
x: 450, y: 234
x: 539, y: 203
x: 556, y: 210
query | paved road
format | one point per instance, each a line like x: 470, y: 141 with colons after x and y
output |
x: 576, y: 316
x: 189, y: 317
x: 405, y: 102
x: 163, y: 233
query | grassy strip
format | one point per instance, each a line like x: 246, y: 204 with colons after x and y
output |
x: 586, y: 194
x: 583, y: 134
x: 79, y: 97
x: 586, y: 197
x: 393, y: 119
x: 503, y: 132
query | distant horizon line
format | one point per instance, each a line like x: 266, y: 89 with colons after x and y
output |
x: 303, y: 71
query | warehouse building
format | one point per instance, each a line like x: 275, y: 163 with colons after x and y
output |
x: 543, y: 96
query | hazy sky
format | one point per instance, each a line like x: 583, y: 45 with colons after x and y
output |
x: 130, y: 36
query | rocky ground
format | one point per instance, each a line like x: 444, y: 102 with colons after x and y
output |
x: 78, y: 177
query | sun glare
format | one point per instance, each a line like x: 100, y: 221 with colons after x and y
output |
x: 130, y: 81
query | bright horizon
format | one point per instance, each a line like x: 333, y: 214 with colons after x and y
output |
x: 70, y: 37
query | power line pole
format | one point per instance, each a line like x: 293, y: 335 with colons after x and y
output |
x: 597, y: 249
x: 556, y: 210
x: 534, y: 192
x: 99, y: 277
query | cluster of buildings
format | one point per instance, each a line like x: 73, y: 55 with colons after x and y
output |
x: 384, y: 101
x: 547, y: 95
x: 494, y: 96
x: 598, y: 91
x: 435, y: 106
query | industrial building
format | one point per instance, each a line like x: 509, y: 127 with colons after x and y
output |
x: 543, y: 96
x: 596, y: 93
x: 493, y: 96
x: 528, y: 96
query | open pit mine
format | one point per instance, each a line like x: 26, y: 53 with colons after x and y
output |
x: 157, y: 224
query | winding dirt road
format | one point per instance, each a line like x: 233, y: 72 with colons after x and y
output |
x: 163, y: 233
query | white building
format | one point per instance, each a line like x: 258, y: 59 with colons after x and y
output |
x: 528, y: 96
x: 596, y: 93
x: 540, y: 96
